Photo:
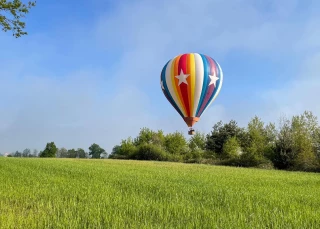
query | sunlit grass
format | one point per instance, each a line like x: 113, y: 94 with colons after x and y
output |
x: 74, y: 193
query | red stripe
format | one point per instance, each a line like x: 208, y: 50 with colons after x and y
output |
x: 183, y: 86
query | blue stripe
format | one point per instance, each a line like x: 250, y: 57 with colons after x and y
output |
x: 216, y: 88
x: 166, y: 91
x: 205, y: 81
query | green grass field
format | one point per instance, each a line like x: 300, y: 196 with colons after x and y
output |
x: 73, y: 193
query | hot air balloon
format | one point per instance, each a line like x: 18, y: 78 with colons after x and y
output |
x: 191, y: 82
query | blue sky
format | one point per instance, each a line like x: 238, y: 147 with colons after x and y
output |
x: 89, y: 70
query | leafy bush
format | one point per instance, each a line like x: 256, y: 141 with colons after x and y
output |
x: 174, y: 157
x: 123, y: 151
x: 247, y: 160
x: 194, y: 156
x: 149, y: 152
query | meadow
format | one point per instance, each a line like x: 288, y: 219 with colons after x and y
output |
x: 89, y: 193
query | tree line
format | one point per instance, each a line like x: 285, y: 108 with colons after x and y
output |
x: 51, y: 150
x: 293, y: 144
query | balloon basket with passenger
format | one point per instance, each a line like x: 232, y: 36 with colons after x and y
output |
x: 191, y: 131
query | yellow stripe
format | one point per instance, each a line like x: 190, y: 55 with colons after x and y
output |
x: 189, y: 81
x: 192, y: 71
x: 174, y: 69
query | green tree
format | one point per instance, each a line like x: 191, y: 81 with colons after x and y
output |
x: 176, y: 143
x: 312, y: 125
x: 125, y: 150
x: 303, y: 133
x: 284, y: 155
x: 231, y: 148
x: 116, y: 153
x: 11, y: 13
x: 271, y: 134
x: 81, y: 153
x: 149, y: 136
x: 222, y: 132
x: 95, y: 150
x: 17, y: 154
x: 72, y: 153
x: 49, y: 151
x: 26, y: 153
x: 197, y: 141
x: 297, y: 143
x: 35, y: 153
x: 196, y: 145
x: 260, y: 145
x: 258, y: 137
x: 317, y: 147
x: 62, y: 152
x: 104, y: 155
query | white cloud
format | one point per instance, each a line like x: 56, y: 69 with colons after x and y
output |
x: 299, y: 94
x: 69, y: 112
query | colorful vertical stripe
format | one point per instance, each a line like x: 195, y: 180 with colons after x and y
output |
x: 191, y: 82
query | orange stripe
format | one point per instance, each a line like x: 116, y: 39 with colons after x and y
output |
x: 176, y: 90
x: 189, y: 82
x: 176, y: 72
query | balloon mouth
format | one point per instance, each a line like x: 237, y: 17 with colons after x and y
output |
x: 190, y: 121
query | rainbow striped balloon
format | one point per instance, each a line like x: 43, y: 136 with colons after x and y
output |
x: 191, y: 82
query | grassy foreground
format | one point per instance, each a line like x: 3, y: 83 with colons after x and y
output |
x: 73, y: 193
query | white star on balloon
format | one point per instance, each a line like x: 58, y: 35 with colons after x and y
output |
x: 182, y: 77
x: 162, y: 85
x: 213, y: 79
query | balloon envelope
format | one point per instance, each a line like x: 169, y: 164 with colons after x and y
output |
x: 191, y: 82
